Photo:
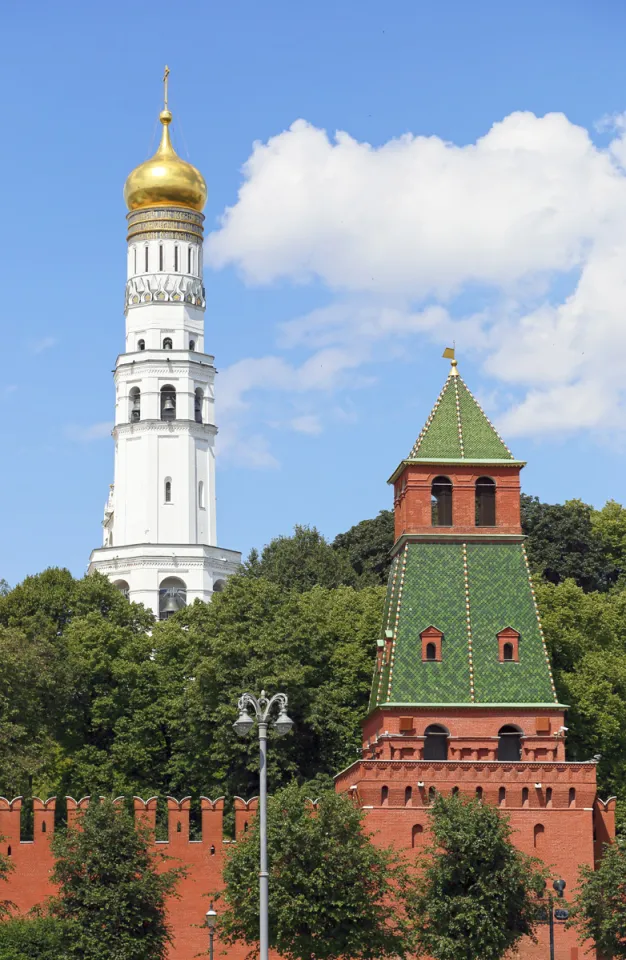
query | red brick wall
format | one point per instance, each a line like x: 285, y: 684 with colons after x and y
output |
x: 29, y: 884
x: 556, y: 826
x: 565, y: 842
x: 412, y: 505
x: 473, y: 732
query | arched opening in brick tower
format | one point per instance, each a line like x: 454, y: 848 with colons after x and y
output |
x: 485, y: 502
x: 441, y: 502
x: 509, y: 743
x: 436, y: 742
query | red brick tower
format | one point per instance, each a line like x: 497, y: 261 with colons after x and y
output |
x: 463, y: 697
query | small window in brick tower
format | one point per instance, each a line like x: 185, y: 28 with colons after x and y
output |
x: 485, y: 502
x: 508, y: 645
x: 431, y: 639
x: 441, y: 502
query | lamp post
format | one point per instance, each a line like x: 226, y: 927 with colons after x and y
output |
x: 211, y: 917
x: 282, y: 725
x: 560, y: 915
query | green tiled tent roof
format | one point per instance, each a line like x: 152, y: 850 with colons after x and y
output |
x: 457, y: 428
x: 470, y: 592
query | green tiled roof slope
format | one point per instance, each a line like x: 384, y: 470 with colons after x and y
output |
x: 457, y: 429
x: 429, y: 589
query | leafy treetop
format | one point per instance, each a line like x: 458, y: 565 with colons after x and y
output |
x: 478, y: 891
x: 330, y: 886
x: 111, y: 888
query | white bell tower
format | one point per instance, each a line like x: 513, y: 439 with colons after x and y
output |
x: 160, y: 541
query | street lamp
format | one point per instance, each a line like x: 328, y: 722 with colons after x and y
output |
x: 560, y: 915
x: 282, y: 725
x: 211, y: 917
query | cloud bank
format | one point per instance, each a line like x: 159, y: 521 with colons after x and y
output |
x: 515, y: 246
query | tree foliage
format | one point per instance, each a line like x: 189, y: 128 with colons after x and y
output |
x: 478, y: 892
x: 34, y: 938
x: 317, y: 646
x: 111, y: 889
x: 599, y: 907
x: 301, y: 562
x: 330, y: 886
x: 96, y: 697
x: 91, y: 703
x: 368, y: 546
x: 564, y: 542
x: 586, y: 637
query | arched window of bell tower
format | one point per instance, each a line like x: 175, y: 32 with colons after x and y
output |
x: 134, y: 400
x: 176, y: 258
x: 134, y: 259
x: 172, y: 597
x: 189, y: 259
x: 168, y: 402
x: 198, y: 403
x: 160, y: 258
x: 145, y: 258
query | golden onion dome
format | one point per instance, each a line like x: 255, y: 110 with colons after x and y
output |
x: 165, y: 178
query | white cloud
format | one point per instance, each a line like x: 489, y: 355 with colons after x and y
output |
x: 307, y: 423
x: 419, y: 216
x: 96, y: 431
x: 43, y: 344
x: 528, y: 223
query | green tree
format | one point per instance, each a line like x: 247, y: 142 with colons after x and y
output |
x: 34, y: 938
x: 33, y: 682
x: 317, y: 646
x: 91, y: 702
x: 77, y: 666
x: 301, y: 562
x: 111, y: 888
x: 586, y: 637
x: 562, y: 543
x: 478, y: 892
x: 599, y: 906
x: 368, y: 546
x: 330, y: 887
x: 48, y: 602
x: 609, y: 524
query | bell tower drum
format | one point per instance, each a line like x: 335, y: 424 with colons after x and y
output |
x: 160, y: 541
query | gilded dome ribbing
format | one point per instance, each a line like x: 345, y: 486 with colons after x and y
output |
x: 165, y: 178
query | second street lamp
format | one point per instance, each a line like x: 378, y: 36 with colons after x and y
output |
x: 262, y: 709
x: 211, y: 917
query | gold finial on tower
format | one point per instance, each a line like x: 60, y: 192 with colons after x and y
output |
x: 448, y: 354
x: 165, y: 84
x: 165, y: 179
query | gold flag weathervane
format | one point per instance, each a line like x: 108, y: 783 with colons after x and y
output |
x: 165, y: 76
x: 449, y: 354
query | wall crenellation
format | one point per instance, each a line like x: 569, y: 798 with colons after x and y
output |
x: 29, y: 883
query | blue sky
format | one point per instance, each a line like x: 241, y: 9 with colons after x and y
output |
x: 341, y: 270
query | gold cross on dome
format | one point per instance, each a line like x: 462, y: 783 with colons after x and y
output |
x: 165, y: 76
